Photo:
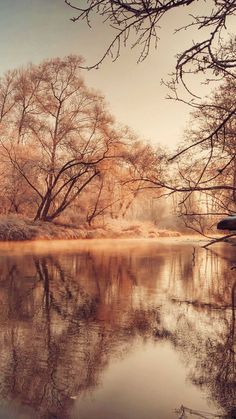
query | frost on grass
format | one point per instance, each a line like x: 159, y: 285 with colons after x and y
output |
x: 13, y: 228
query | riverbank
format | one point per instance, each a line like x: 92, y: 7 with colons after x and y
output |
x: 13, y: 228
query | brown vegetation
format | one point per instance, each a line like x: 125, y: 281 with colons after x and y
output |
x: 65, y: 159
x: 13, y: 228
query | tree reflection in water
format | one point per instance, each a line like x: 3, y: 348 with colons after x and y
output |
x: 64, y: 316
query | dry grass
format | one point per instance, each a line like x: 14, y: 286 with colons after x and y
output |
x: 13, y: 228
x: 17, y: 229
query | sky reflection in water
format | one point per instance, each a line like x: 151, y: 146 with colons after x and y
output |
x: 117, y: 330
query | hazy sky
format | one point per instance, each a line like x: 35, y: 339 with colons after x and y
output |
x: 32, y: 30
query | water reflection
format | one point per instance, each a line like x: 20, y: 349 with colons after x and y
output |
x: 66, y: 315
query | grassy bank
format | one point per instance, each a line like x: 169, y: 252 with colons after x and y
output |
x: 13, y: 228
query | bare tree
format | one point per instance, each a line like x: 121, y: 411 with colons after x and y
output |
x: 58, y: 135
x: 202, y: 173
x: 140, y: 20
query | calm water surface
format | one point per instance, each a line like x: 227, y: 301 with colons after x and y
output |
x: 117, y: 330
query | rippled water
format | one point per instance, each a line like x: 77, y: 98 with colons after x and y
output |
x: 117, y: 330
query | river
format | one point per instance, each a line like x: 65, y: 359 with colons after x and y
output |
x: 132, y: 329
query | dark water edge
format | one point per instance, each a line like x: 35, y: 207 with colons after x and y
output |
x: 117, y: 329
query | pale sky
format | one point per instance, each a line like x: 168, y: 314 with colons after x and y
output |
x: 32, y: 30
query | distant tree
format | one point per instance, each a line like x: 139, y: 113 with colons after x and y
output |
x: 115, y: 193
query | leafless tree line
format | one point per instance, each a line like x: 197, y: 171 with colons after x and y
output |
x: 62, y: 151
